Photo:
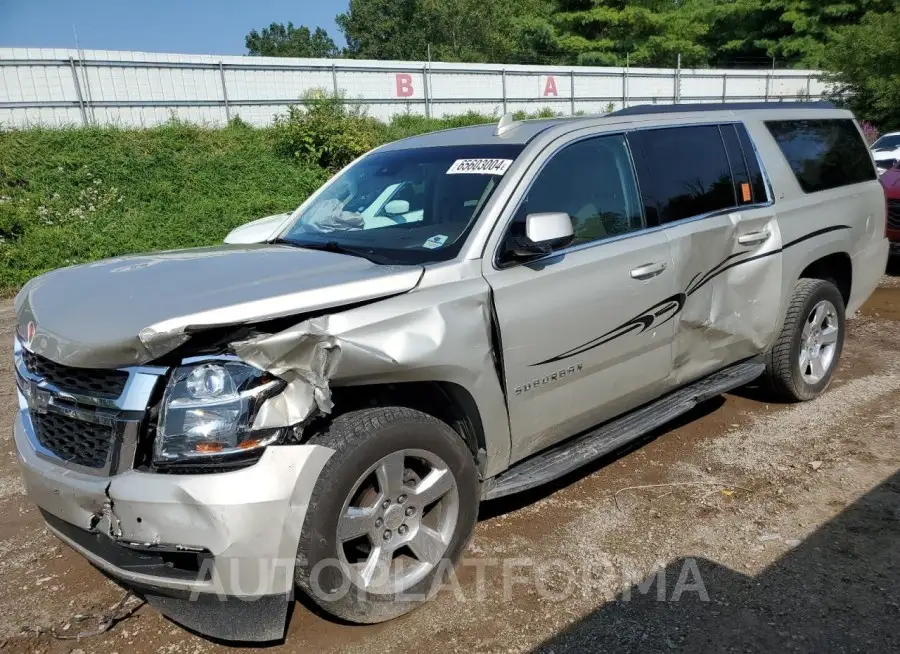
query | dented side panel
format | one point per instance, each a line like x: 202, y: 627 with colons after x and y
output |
x: 439, y: 332
x: 732, y: 289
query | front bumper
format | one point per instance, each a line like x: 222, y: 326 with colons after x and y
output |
x: 205, y: 549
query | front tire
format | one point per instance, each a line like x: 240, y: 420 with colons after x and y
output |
x: 389, y: 516
x: 801, y: 364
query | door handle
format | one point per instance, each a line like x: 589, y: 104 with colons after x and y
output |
x: 754, y: 238
x: 648, y: 271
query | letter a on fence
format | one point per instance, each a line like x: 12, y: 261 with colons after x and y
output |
x: 549, y: 87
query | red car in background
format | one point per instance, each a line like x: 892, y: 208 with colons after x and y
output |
x: 891, y: 182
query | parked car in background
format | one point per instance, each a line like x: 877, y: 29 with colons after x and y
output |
x: 890, y: 180
x: 258, y: 231
x: 886, y: 151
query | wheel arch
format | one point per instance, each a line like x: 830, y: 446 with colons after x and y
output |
x: 825, y: 258
x: 836, y: 268
x: 451, y: 403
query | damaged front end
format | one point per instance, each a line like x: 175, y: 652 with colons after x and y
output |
x: 215, y: 552
x: 187, y: 476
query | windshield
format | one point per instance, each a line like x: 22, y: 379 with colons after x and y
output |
x: 404, y: 206
x: 890, y: 142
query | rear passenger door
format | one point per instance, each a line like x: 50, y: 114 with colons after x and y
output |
x: 705, y: 186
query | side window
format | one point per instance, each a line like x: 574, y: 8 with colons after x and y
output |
x: 593, y: 182
x: 760, y: 195
x: 824, y: 154
x: 686, y: 172
x: 743, y: 189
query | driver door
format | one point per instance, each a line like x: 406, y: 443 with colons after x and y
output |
x: 587, y: 330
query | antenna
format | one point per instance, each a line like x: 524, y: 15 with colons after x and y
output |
x: 507, y: 123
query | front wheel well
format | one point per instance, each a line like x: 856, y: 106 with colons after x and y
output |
x: 835, y: 268
x: 448, y: 402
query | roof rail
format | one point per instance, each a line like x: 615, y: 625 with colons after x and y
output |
x: 644, y: 109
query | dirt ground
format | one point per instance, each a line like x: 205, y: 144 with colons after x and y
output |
x: 790, y: 540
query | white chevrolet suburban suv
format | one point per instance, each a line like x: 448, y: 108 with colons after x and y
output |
x: 452, y: 318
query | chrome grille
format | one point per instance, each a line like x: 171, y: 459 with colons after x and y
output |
x: 893, y: 219
x: 74, y: 441
x: 109, y: 384
x: 86, y: 419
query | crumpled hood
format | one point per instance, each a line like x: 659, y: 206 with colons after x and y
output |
x: 133, y: 309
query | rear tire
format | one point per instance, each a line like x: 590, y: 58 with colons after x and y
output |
x: 390, y: 515
x: 800, y: 365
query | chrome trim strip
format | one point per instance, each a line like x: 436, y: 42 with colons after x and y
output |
x: 634, y: 234
x: 141, y: 380
x: 124, y: 437
x: 210, y: 357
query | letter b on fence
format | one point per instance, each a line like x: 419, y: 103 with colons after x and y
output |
x: 404, y: 85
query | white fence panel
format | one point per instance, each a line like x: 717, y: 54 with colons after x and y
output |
x: 58, y: 87
x: 651, y: 86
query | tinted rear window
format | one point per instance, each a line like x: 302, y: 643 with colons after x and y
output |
x: 687, y: 172
x: 824, y: 154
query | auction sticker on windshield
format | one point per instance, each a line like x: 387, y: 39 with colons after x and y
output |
x: 435, y: 242
x: 479, y: 166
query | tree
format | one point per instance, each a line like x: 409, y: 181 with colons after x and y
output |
x: 501, y: 31
x: 276, y: 40
x: 384, y: 29
x: 863, y: 60
x: 731, y: 33
x: 796, y: 32
x: 647, y: 32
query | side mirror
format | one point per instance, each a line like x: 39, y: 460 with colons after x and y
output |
x: 396, y: 208
x: 544, y: 232
x: 549, y: 228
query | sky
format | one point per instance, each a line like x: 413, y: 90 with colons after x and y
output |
x: 188, y: 26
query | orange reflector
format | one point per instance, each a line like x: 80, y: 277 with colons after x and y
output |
x: 209, y: 447
x: 745, y: 192
x: 246, y: 445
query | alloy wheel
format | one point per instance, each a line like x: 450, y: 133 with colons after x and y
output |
x: 818, y: 342
x: 397, y: 522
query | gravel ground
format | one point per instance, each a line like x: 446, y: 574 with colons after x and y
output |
x: 745, y: 526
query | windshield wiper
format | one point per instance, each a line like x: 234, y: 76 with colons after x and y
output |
x: 329, y: 246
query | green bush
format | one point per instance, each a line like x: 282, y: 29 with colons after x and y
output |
x: 545, y: 112
x: 324, y: 131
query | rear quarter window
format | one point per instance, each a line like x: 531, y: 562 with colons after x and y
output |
x: 824, y: 154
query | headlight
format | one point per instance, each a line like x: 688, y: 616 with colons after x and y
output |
x: 208, y: 409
